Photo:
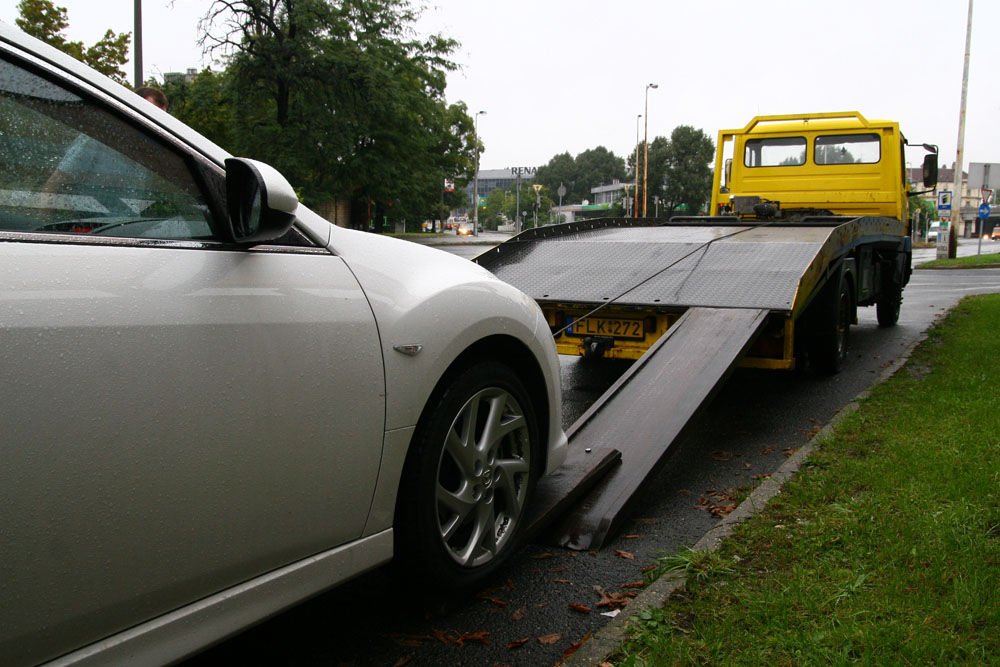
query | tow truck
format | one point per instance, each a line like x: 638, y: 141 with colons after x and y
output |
x: 808, y: 222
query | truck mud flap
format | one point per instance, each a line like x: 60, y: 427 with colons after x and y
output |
x: 646, y: 410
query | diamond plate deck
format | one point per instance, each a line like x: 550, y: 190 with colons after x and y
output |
x: 718, y: 266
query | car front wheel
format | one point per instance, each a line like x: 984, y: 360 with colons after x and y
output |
x: 469, y: 477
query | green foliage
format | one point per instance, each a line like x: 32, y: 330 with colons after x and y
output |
x: 687, y: 179
x: 693, y: 564
x: 44, y: 20
x: 501, y: 207
x: 678, y: 172
x: 205, y: 103
x: 344, y: 101
x: 592, y: 167
x: 924, y: 210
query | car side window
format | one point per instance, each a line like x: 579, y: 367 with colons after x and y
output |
x: 70, y: 166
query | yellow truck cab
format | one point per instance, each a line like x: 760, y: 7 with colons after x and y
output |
x: 789, y: 166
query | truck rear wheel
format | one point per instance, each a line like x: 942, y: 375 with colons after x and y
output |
x: 829, y: 351
x: 887, y: 306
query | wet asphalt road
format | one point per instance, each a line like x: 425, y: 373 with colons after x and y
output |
x: 524, y: 616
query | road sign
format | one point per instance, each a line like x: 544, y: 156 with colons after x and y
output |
x: 944, y: 200
x: 984, y: 175
x: 984, y: 211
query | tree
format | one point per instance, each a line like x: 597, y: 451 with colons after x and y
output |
x: 597, y: 166
x: 43, y: 20
x: 687, y: 179
x: 344, y: 101
x: 205, y: 103
x: 592, y: 167
x: 922, y: 213
x: 560, y: 170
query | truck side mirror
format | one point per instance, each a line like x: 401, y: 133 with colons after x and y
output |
x: 930, y: 170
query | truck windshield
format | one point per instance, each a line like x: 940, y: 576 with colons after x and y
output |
x: 775, y: 152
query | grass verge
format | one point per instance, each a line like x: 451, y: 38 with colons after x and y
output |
x: 990, y: 259
x: 885, y: 548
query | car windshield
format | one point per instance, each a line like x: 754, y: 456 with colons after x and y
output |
x: 71, y: 167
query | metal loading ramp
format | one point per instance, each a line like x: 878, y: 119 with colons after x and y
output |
x: 645, y: 411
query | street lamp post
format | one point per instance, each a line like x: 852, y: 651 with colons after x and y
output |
x: 645, y: 149
x: 635, y: 210
x: 475, y: 177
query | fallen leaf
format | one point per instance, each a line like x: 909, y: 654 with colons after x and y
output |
x: 635, y: 584
x: 720, y: 455
x: 402, y: 662
x: 519, y: 614
x: 767, y: 450
x: 518, y: 643
x: 495, y: 601
x: 575, y: 646
x: 582, y: 608
x: 648, y: 569
x: 627, y: 555
x: 562, y: 581
x: 412, y: 641
x: 442, y: 636
x: 788, y: 451
x: 544, y: 555
x: 612, y: 600
x: 762, y: 475
x: 549, y: 639
x: 479, y: 636
x: 720, y: 511
x: 631, y: 536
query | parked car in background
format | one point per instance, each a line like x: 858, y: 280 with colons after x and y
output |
x: 933, y: 231
x: 215, y: 403
x: 995, y: 234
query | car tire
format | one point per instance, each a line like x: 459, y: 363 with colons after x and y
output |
x: 469, y: 478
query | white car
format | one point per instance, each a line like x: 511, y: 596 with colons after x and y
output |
x: 213, y: 402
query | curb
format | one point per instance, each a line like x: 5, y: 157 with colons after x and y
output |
x: 608, y: 639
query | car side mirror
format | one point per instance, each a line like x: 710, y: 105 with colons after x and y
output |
x: 260, y: 200
x: 930, y: 170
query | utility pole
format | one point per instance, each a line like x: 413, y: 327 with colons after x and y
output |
x: 956, y: 210
x: 137, y: 44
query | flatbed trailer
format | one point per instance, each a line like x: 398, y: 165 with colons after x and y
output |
x: 612, y: 287
x: 689, y: 300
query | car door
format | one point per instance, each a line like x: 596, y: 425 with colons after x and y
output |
x: 178, y: 414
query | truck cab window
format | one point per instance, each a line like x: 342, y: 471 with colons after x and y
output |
x: 775, y: 152
x: 72, y: 167
x: 848, y: 149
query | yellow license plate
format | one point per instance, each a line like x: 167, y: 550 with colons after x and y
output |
x: 604, y: 326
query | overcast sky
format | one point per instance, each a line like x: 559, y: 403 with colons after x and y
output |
x: 568, y: 75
